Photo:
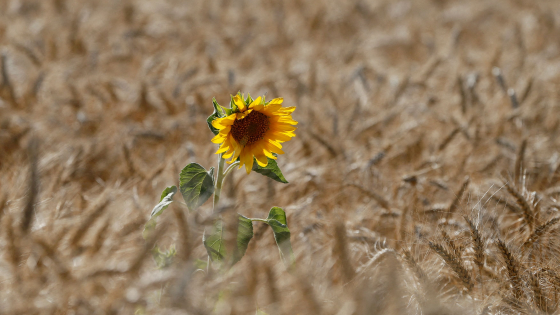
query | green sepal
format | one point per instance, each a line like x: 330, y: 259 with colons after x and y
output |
x: 196, y: 185
x: 271, y: 170
x: 279, y: 224
x: 219, y: 112
x: 164, y: 201
x: 215, y: 244
x: 248, y: 100
x: 233, y: 107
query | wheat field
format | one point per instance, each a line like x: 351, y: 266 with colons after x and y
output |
x: 424, y: 176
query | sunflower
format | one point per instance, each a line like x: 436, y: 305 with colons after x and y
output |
x: 254, y: 131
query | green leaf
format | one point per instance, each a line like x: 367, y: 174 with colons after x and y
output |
x: 149, y: 228
x: 200, y: 264
x: 215, y: 243
x: 164, y: 201
x: 196, y: 185
x: 261, y: 312
x: 219, y: 112
x: 164, y: 258
x: 271, y: 170
x: 244, y: 236
x: 277, y: 221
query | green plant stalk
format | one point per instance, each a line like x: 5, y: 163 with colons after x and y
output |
x: 261, y: 220
x: 220, y: 177
x: 217, y: 192
x: 230, y: 168
x: 218, y: 185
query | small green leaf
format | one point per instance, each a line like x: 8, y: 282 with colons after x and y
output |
x: 164, y: 201
x: 215, y: 243
x: 278, y: 214
x: 219, y: 112
x: 163, y: 258
x: 271, y: 170
x: 200, y: 264
x: 277, y: 221
x: 149, y: 228
x: 261, y: 312
x: 196, y: 185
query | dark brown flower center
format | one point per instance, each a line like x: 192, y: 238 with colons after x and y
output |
x: 250, y: 129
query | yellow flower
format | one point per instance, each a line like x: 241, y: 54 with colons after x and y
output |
x: 255, y: 131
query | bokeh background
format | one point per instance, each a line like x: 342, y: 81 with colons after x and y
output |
x: 412, y: 114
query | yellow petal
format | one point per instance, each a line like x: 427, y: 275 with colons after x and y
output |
x: 262, y: 160
x: 225, y: 146
x: 286, y: 110
x: 256, y: 102
x: 275, y: 143
x: 243, y: 115
x: 288, y: 133
x: 287, y: 120
x: 279, y: 136
x: 249, y: 162
x: 229, y: 152
x: 276, y: 101
x: 268, y: 154
x: 219, y: 138
x: 232, y: 146
x: 273, y: 149
x: 224, y: 132
x: 258, y: 107
x: 272, y: 108
x: 240, y: 103
x: 238, y: 149
x: 282, y: 127
x: 243, y: 157
x: 221, y: 123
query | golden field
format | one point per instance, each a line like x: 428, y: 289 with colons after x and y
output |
x: 424, y: 176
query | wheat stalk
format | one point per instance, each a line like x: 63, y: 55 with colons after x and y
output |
x: 455, y: 264
x: 513, y: 269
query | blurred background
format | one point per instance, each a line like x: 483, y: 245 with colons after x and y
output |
x: 411, y: 115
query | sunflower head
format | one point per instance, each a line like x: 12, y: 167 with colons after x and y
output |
x: 252, y: 130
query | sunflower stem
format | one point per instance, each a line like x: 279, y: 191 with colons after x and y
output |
x: 261, y: 220
x: 219, y: 180
x: 230, y: 168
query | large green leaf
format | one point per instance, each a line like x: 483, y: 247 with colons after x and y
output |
x: 277, y: 221
x: 271, y: 170
x: 244, y: 236
x: 164, y: 201
x: 196, y: 185
x: 215, y: 243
